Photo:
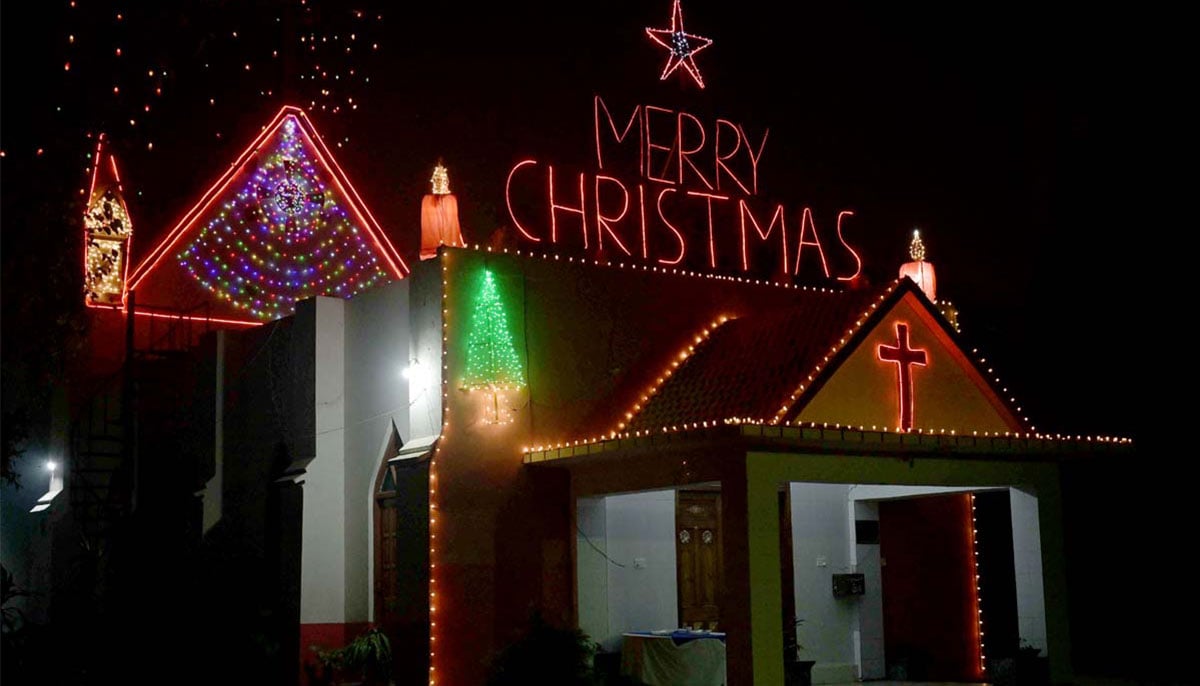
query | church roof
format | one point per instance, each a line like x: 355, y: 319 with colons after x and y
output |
x: 765, y: 366
x: 282, y: 223
x: 749, y: 366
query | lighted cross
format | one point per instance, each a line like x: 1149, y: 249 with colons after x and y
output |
x: 904, y: 357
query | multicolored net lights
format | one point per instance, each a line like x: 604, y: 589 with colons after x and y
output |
x: 282, y: 237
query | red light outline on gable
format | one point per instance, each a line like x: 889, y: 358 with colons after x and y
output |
x: 374, y: 230
x: 354, y: 200
x: 903, y: 361
x: 196, y: 318
x: 163, y: 315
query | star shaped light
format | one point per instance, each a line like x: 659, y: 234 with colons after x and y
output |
x: 683, y: 46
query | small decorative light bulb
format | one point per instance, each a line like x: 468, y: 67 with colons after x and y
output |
x: 916, y: 249
x: 440, y: 180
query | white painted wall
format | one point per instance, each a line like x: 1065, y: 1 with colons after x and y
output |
x: 1027, y: 561
x: 860, y: 492
x: 377, y: 349
x: 821, y: 545
x: 323, y: 553
x: 870, y: 606
x: 212, y: 498
x: 637, y: 531
x: 425, y: 323
x: 591, y: 543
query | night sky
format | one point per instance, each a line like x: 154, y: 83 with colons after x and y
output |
x: 1005, y: 133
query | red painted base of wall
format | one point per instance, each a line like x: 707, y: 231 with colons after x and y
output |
x: 326, y: 637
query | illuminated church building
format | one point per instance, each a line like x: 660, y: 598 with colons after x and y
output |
x: 658, y: 403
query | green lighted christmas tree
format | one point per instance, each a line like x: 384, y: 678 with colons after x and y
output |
x: 492, y: 361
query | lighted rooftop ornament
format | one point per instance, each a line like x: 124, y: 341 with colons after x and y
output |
x: 920, y: 271
x: 492, y: 361
x: 682, y: 45
x: 439, y: 216
x: 107, y: 232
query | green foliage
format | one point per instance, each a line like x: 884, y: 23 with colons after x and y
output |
x: 41, y: 295
x: 1026, y: 650
x: 14, y: 431
x: 790, y: 643
x: 369, y: 655
x: 492, y: 359
x: 14, y: 619
x: 546, y: 655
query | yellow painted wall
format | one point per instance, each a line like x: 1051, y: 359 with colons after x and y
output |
x: 948, y: 393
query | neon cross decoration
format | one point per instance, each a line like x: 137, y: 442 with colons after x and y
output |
x: 683, y: 46
x: 904, y: 357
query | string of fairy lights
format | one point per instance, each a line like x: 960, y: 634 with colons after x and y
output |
x: 492, y: 360
x: 282, y: 237
x: 977, y: 585
x: 433, y: 472
x: 618, y: 433
x: 1000, y: 441
x: 142, y: 72
x: 318, y: 51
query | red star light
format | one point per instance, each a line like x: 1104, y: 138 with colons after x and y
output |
x: 682, y: 45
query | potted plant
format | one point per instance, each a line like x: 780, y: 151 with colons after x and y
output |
x: 546, y: 654
x: 1032, y: 666
x: 796, y: 672
x: 369, y: 657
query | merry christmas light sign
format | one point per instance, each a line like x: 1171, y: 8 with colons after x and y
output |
x: 695, y: 201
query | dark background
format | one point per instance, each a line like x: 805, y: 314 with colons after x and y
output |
x: 1034, y: 146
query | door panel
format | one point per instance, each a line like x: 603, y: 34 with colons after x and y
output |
x: 698, y: 558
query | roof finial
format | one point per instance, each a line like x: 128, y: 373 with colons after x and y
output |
x: 916, y: 249
x: 441, y: 179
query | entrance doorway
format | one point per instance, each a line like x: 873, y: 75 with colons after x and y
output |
x: 402, y: 563
x: 893, y: 581
x: 698, y: 559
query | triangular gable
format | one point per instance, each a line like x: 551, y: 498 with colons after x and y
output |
x: 944, y: 390
x: 283, y: 223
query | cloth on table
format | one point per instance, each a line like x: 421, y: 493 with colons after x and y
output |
x: 678, y: 658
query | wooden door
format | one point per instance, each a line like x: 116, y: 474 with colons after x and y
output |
x: 387, y: 584
x: 402, y: 565
x: 698, y: 558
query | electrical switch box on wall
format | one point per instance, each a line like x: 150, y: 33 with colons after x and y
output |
x: 848, y: 585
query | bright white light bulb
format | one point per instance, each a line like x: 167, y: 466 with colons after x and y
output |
x: 418, y: 376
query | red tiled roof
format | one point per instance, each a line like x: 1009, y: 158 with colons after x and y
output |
x: 749, y: 366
